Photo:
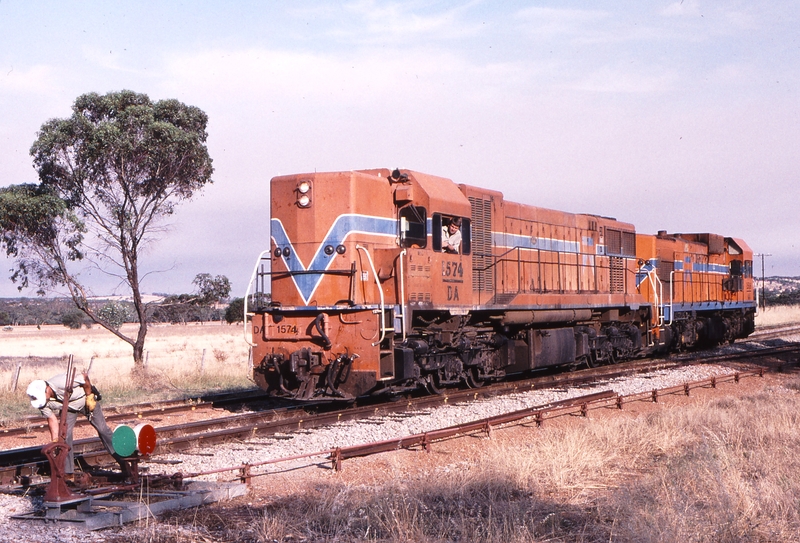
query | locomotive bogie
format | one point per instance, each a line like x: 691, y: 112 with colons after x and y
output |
x: 385, y: 282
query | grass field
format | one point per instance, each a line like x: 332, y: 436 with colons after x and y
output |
x: 780, y: 314
x: 183, y: 361
x: 726, y: 470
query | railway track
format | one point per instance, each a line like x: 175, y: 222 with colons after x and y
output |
x: 771, y: 332
x: 152, y: 410
x: 27, y: 464
x: 257, y: 399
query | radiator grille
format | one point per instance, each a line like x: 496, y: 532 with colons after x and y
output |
x: 620, y: 243
x: 617, y: 274
x: 482, y: 273
x: 665, y: 268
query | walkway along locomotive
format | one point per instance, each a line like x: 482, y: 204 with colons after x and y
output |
x: 382, y: 281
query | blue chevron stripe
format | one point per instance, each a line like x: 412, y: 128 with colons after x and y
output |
x: 342, y: 227
x: 645, y: 270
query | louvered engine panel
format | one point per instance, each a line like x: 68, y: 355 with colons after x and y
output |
x: 482, y: 273
x: 617, y: 274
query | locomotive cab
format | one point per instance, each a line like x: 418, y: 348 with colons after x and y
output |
x: 353, y: 254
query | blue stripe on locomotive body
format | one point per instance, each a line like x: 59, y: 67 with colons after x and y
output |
x: 677, y: 309
x: 701, y: 267
x: 342, y: 227
x: 513, y: 241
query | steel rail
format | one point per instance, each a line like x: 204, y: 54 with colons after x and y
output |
x: 146, y: 410
x: 577, y: 405
x: 19, y: 463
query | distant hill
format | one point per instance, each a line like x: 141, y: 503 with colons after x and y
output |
x: 781, y: 290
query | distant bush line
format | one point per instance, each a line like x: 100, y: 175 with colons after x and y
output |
x: 41, y: 311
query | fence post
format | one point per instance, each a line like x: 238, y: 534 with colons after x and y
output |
x: 16, y: 377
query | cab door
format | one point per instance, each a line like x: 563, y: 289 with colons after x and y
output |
x: 451, y: 270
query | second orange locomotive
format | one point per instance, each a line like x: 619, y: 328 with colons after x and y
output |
x: 382, y: 281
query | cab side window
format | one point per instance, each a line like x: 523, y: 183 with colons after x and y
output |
x: 451, y: 234
x: 413, y: 227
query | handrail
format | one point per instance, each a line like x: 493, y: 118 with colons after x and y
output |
x: 380, y: 291
x: 659, y: 296
x: 494, y: 262
x: 292, y: 273
x: 403, y: 293
x: 657, y: 287
x: 249, y: 340
x: 671, y: 296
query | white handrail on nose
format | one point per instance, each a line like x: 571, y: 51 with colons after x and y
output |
x: 380, y: 291
x: 249, y: 339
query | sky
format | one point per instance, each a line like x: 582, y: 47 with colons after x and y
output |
x: 673, y: 115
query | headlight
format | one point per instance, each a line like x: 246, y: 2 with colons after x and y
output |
x: 304, y: 193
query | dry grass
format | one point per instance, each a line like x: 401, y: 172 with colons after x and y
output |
x: 182, y: 362
x: 779, y: 314
x: 725, y: 471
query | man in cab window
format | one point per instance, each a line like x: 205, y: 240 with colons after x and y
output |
x: 451, y: 236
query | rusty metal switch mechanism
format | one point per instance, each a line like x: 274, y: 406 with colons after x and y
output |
x: 115, y: 504
x: 57, y: 451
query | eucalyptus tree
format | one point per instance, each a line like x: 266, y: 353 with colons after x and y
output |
x: 108, y: 177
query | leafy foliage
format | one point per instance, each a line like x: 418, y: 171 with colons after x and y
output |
x: 211, y: 289
x: 29, y: 311
x: 40, y: 231
x: 74, y: 319
x: 108, y: 175
x: 114, y: 313
x: 198, y: 307
x: 235, y: 311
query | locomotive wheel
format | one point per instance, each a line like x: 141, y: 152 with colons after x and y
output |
x: 473, y: 381
x: 591, y: 360
x: 432, y: 384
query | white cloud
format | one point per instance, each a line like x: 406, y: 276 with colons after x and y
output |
x: 288, y: 79
x: 683, y: 8
x: 547, y: 23
x: 393, y: 22
x: 111, y: 61
x: 37, y: 79
x: 614, y: 79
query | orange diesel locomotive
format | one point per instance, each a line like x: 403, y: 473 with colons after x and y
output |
x: 382, y: 281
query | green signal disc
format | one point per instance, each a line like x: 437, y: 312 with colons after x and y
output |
x: 124, y: 440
